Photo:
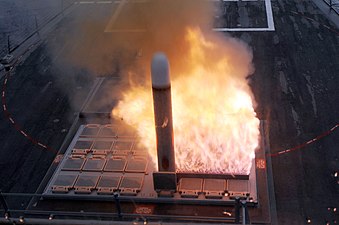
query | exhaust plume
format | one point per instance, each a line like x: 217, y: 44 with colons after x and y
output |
x: 214, y: 122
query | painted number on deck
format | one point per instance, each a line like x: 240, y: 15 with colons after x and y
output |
x: 261, y: 164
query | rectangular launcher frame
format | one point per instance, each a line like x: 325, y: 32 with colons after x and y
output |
x: 125, y: 169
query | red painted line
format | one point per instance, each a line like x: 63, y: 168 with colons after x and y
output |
x: 326, y: 133
x: 9, y: 117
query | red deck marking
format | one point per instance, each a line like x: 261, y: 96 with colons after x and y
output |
x: 261, y: 163
x: 326, y: 133
x: 9, y: 117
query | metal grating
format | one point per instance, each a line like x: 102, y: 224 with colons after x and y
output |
x: 85, y: 184
x: 190, y: 187
x: 214, y: 188
x: 131, y: 185
x: 108, y: 184
x: 73, y: 164
x: 94, y: 164
x: 63, y: 183
x: 137, y: 165
x: 115, y: 164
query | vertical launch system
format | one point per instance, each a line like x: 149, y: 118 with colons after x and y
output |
x: 105, y: 159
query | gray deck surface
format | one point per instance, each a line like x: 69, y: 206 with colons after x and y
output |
x: 295, y: 84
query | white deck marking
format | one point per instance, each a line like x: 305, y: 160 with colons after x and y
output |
x: 115, y: 16
x: 236, y: 0
x: 268, y: 9
x: 23, y: 133
x: 104, y: 2
x: 241, y: 29
x: 86, y: 2
x: 12, y: 121
x: 269, y: 16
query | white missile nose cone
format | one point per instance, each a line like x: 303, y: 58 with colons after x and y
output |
x: 160, y: 71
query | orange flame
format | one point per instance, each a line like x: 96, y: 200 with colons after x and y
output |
x: 215, y: 125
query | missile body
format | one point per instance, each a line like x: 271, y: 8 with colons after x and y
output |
x: 161, y: 87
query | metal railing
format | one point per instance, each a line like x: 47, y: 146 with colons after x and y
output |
x: 27, y: 208
x: 27, y: 20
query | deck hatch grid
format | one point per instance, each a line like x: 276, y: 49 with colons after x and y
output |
x: 131, y: 185
x: 90, y: 130
x: 94, y: 164
x: 102, y: 147
x: 121, y: 152
x: 83, y: 145
x: 73, y: 164
x: 121, y: 165
x: 165, y: 181
x: 63, y: 183
x: 137, y: 165
x: 140, y: 153
x: 238, y: 188
x: 81, y: 152
x: 123, y: 145
x: 214, y: 188
x: 108, y: 184
x: 86, y: 183
x: 190, y: 187
x: 125, y: 133
x: 116, y: 164
x: 108, y: 131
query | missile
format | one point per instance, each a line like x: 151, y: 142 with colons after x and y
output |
x: 161, y: 88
